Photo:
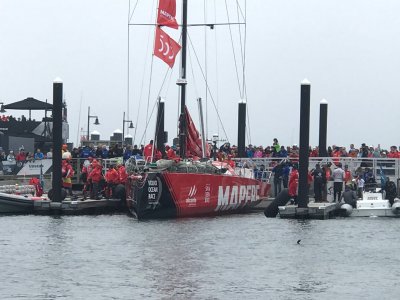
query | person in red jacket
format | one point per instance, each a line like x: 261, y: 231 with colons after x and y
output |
x: 293, y: 183
x: 112, y: 180
x: 148, y: 151
x: 170, y: 152
x: 123, y: 176
x: 95, y: 176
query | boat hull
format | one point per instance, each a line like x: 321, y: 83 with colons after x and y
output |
x: 176, y: 195
x: 384, y: 212
x: 14, y: 204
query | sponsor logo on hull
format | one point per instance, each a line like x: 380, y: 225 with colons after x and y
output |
x: 233, y: 197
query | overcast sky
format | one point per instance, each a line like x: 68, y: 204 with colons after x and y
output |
x: 348, y: 50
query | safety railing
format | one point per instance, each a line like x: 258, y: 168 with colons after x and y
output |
x: 389, y: 166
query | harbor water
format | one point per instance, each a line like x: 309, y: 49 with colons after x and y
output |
x: 230, y: 257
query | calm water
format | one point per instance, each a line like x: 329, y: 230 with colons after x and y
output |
x: 234, y: 257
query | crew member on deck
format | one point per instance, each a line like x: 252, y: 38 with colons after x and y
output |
x: 148, y: 151
x: 67, y: 172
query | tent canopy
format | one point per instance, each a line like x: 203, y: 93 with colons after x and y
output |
x: 29, y: 104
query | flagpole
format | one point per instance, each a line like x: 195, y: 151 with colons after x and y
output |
x: 182, y: 83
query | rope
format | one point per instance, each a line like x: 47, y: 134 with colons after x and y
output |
x: 208, y: 88
x: 133, y: 11
x: 233, y: 49
x: 205, y: 62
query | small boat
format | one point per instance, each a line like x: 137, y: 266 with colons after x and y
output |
x: 17, y: 204
x: 372, y: 204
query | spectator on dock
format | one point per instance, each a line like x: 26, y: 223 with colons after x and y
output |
x: 21, y: 156
x: 338, y: 178
x: 282, y: 152
x: 104, y: 152
x: 136, y: 151
x: 347, y: 176
x: 319, y: 181
x: 360, y: 186
x: 10, y: 156
x: 40, y: 155
x: 277, y: 170
x: 285, y: 173
x: 275, y: 145
x: 3, y: 156
x: 49, y: 154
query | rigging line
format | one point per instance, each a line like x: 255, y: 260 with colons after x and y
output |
x: 205, y: 59
x: 241, y: 49
x: 150, y: 76
x: 128, y: 62
x: 79, y: 118
x: 155, y: 103
x: 233, y: 49
x: 244, y: 68
x: 133, y: 11
x: 158, y: 95
x: 240, y: 9
x: 192, y: 71
x: 201, y: 69
x: 142, y: 87
x: 216, y: 62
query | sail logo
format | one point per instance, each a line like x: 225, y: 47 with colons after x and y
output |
x: 166, y: 14
x: 233, y: 197
x: 191, y: 200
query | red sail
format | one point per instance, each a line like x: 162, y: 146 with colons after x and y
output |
x: 165, y: 47
x: 167, y: 13
x: 193, y: 140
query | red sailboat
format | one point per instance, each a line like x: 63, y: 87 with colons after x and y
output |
x: 186, y: 187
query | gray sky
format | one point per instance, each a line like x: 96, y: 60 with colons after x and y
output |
x: 349, y: 50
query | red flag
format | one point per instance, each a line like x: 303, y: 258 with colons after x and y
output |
x: 193, y: 140
x: 167, y: 13
x: 165, y: 47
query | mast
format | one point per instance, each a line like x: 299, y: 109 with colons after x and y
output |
x: 182, y: 83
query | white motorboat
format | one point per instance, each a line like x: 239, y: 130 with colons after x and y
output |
x: 373, y: 204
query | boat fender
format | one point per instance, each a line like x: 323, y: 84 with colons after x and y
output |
x: 396, y: 208
x: 119, y: 192
x: 272, y: 210
x: 347, y: 209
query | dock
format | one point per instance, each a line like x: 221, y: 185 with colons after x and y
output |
x: 315, y: 210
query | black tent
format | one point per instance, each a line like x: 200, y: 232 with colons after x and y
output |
x: 29, y: 104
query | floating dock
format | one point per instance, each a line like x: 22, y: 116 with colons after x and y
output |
x: 315, y: 210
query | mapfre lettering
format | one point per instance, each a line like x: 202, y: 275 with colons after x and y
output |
x: 233, y: 197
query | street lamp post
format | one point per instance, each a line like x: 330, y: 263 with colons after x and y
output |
x: 96, y: 122
x: 123, y: 127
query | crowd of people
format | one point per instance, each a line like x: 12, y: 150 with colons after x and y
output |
x: 278, y: 151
